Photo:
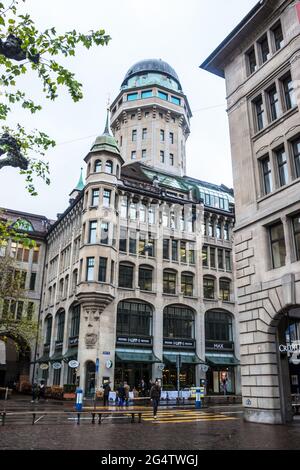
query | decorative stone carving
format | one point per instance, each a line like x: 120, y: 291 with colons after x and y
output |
x: 91, y: 340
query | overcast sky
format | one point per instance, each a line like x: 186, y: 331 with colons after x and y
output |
x: 183, y: 33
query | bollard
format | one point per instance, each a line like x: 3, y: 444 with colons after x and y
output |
x: 79, y: 394
x: 198, y: 403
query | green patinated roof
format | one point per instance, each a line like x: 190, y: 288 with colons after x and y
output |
x: 80, y: 184
x: 173, y: 182
x: 105, y: 141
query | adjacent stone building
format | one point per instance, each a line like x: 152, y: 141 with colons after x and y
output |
x: 260, y: 61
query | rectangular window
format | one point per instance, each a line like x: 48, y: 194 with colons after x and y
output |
x: 133, y: 155
x: 228, y: 260
x: 226, y: 231
x: 32, y: 281
x: 102, y: 269
x: 267, y: 175
x: 282, y: 166
x: 175, y: 100
x: 278, y: 37
x: 211, y: 230
x: 134, y: 135
x: 174, y: 250
x: 218, y: 231
x: 296, y: 153
x: 132, y: 242
x: 274, y: 103
x: 264, y: 48
x: 146, y: 94
x: 145, y: 279
x: 166, y: 248
x: 124, y: 208
x: 212, y: 257
x: 191, y: 253
x: 144, y: 153
x: 151, y: 215
x: 277, y: 245
x: 106, y: 197
x: 225, y: 290
x: 104, y: 233
x: 112, y: 271
x: 126, y: 276
x: 169, y: 282
x: 220, y: 259
x: 162, y: 95
x: 144, y: 134
x: 289, y: 94
x: 205, y: 256
x: 260, y: 113
x: 251, y: 59
x: 296, y: 227
x: 132, y: 96
x: 90, y: 265
x: 208, y: 288
x: 171, y: 159
x: 123, y: 239
x: 171, y: 137
x: 93, y: 231
x: 183, y: 252
x: 162, y: 135
x: 95, y: 197
x: 36, y: 251
x: 30, y: 310
x: 162, y: 156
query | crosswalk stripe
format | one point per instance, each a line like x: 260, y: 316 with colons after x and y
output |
x: 194, y: 420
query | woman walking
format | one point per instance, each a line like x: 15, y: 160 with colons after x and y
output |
x: 155, y: 393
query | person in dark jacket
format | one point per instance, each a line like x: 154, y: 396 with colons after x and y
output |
x: 106, y: 391
x: 155, y: 393
x: 121, y: 395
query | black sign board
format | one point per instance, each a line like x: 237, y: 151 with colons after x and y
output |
x: 219, y: 345
x: 179, y: 343
x: 134, y: 340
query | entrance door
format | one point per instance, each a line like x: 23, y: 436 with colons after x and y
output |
x: 90, y: 379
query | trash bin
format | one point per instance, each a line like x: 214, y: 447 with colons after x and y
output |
x: 79, y: 394
x: 198, y: 403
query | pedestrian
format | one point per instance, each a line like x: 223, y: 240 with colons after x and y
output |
x: 224, y: 380
x: 35, y: 392
x: 127, y: 389
x: 121, y: 395
x: 155, y: 393
x: 143, y: 388
x: 42, y: 390
x: 106, y: 390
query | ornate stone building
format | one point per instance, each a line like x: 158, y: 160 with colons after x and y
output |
x: 260, y: 61
x: 138, y: 270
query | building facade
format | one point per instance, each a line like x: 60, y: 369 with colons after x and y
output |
x: 260, y: 61
x: 138, y: 270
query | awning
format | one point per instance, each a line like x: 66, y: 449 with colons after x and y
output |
x: 71, y: 352
x: 131, y: 355
x: 185, y: 358
x: 56, y: 357
x: 222, y: 359
x: 44, y: 358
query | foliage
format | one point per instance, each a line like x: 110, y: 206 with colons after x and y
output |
x: 23, y: 330
x: 9, y: 231
x: 69, y: 388
x: 39, y: 52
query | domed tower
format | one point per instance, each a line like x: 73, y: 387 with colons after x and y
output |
x: 150, y: 118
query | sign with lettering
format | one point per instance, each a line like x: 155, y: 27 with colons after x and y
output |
x: 219, y: 345
x: 292, y: 350
x: 179, y: 343
x: 133, y: 340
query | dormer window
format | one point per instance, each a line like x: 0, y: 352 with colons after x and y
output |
x: 108, y: 167
x: 98, y: 166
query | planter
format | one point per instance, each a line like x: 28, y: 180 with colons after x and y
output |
x: 69, y: 396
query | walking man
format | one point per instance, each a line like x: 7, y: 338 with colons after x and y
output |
x: 155, y: 393
x: 106, y: 391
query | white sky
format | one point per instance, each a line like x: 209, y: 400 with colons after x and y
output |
x: 183, y: 33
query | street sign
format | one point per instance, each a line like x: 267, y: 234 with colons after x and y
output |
x: 44, y: 366
x: 56, y: 365
x: 97, y: 364
x: 73, y: 364
x: 108, y: 364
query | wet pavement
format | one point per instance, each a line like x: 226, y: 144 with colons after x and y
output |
x: 212, y: 428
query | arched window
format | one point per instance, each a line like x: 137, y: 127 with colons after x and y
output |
x: 169, y: 282
x: 74, y: 280
x: 224, y: 289
x: 134, y: 318
x: 209, y: 287
x: 218, y: 325
x: 23, y: 224
x: 126, y: 275
x: 187, y: 284
x: 145, y: 277
x: 97, y: 166
x: 179, y: 322
x: 88, y: 170
x: 108, y: 167
x: 60, y: 326
x: 48, y: 330
x: 118, y: 171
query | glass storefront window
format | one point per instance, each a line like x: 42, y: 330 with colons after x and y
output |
x: 134, y: 318
x: 178, y: 322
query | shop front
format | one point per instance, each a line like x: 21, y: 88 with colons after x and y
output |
x: 219, y: 353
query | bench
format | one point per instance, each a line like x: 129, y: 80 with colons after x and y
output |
x: 100, y: 413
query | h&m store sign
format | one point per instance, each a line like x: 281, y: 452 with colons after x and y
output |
x: 219, y: 345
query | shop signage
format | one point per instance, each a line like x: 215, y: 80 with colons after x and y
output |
x: 204, y: 367
x: 179, y: 343
x: 73, y: 341
x: 73, y: 364
x: 219, y: 345
x: 161, y: 366
x: 56, y: 365
x: 293, y: 351
x: 106, y: 353
x: 133, y: 340
x: 108, y: 364
x: 44, y: 366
